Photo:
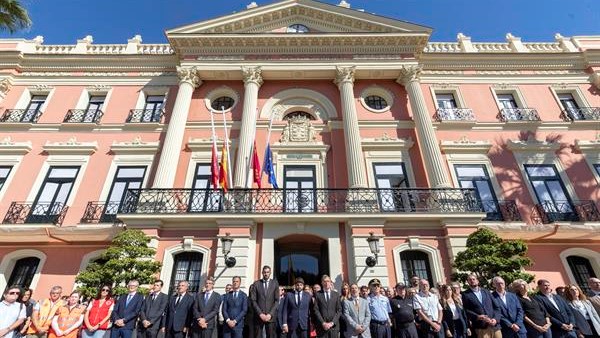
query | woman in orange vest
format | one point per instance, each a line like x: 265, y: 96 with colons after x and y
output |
x: 97, y: 317
x: 68, y: 319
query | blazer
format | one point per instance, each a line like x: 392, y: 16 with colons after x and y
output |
x: 235, y: 308
x: 448, y: 318
x: 264, y: 301
x: 558, y: 316
x: 296, y: 315
x: 473, y: 307
x: 595, y: 300
x: 327, y: 311
x: 154, y: 310
x: 207, y: 310
x: 580, y: 321
x: 128, y: 312
x: 180, y: 316
x: 354, y: 318
x: 510, y: 313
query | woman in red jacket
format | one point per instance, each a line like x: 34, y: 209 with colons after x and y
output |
x: 97, y: 317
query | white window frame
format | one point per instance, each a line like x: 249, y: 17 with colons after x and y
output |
x: 455, y: 91
x: 591, y: 153
x: 513, y: 90
x: 475, y: 160
x: 591, y: 255
x: 29, y: 92
x: 11, y: 154
x: 87, y: 93
x: 202, y: 153
x: 377, y: 91
x: 575, y: 92
x: 388, y: 151
x: 168, y: 260
x: 8, y: 264
x: 313, y: 154
x: 218, y: 92
x: 434, y: 255
x: 151, y: 91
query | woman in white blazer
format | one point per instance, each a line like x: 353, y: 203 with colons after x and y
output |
x: 587, y: 320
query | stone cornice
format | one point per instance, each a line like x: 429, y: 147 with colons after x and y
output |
x: 71, y: 147
x: 506, y: 61
x: 584, y: 146
x: 386, y: 142
x: 465, y: 146
x: 532, y: 145
x: 135, y: 147
x: 9, y: 147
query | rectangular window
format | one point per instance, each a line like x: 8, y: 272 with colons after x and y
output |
x: 446, y: 101
x: 96, y: 103
x: 299, y: 188
x: 597, y: 166
x: 204, y: 198
x: 33, y: 108
x: 4, y: 172
x: 153, y: 108
x: 53, y: 195
x: 476, y: 177
x: 550, y: 192
x: 389, y: 179
x: 125, y: 178
x: 570, y: 106
x: 507, y: 101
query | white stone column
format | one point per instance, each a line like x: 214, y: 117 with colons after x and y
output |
x: 171, y: 149
x: 430, y: 150
x: 252, y: 82
x: 344, y: 79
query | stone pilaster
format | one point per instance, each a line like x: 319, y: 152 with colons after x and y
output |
x: 432, y: 156
x: 252, y: 82
x: 171, y: 149
x: 344, y: 79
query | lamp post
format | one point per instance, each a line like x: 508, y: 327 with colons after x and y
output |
x: 227, y: 241
x: 374, y: 247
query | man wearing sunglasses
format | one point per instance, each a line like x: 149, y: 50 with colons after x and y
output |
x: 13, y: 313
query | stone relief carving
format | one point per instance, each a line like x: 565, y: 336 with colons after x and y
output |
x: 409, y: 74
x: 252, y: 74
x: 344, y: 74
x: 189, y: 75
x: 298, y: 129
x: 5, y: 86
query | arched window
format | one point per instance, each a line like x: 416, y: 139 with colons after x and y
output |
x: 24, y: 271
x: 187, y: 267
x: 582, y: 270
x: 415, y: 263
x: 222, y: 102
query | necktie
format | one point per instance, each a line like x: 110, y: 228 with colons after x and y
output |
x: 235, y: 295
x: 128, y: 300
x: 356, y: 304
x: 297, y: 298
x: 177, y: 300
x: 327, y: 296
x: 206, y: 297
x: 154, y: 297
x: 266, y: 283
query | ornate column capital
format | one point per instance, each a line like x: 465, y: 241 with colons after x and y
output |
x: 189, y: 75
x: 253, y: 75
x: 596, y: 79
x: 344, y: 74
x: 409, y: 74
x: 5, y: 86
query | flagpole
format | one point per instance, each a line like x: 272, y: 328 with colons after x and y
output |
x: 227, y: 146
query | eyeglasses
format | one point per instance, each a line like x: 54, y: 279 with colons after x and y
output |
x: 132, y: 286
x: 105, y: 290
x: 12, y: 293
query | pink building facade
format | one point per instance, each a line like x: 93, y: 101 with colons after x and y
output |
x: 375, y: 132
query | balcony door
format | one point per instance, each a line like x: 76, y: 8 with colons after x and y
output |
x: 204, y: 197
x: 125, y: 178
x: 53, y: 195
x: 187, y: 267
x: 550, y: 192
x: 389, y: 179
x: 476, y: 177
x: 297, y: 255
x: 299, y: 185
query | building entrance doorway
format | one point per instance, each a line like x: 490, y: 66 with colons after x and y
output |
x: 303, y: 256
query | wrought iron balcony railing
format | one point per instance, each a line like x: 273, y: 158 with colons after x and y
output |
x: 565, y: 211
x: 21, y: 115
x: 83, y: 116
x: 100, y: 212
x: 518, y: 114
x: 27, y: 212
x: 454, y: 114
x: 580, y: 114
x: 145, y: 115
x: 505, y: 211
x: 316, y: 201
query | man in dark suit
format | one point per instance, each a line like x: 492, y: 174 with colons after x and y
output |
x: 152, y: 315
x: 561, y: 317
x: 481, y: 309
x: 594, y: 294
x: 206, y: 309
x: 327, y: 309
x: 264, y: 297
x: 126, y: 311
x: 511, y: 312
x: 178, y: 316
x: 295, y: 311
x: 235, y: 306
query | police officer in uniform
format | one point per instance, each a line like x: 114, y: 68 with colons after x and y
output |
x: 380, y: 308
x: 403, y: 314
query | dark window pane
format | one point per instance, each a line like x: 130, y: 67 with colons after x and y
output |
x: 415, y: 263
x: 582, y: 271
x: 125, y: 178
x: 4, y: 172
x: 24, y: 271
x: 223, y: 102
x: 376, y: 102
x: 187, y: 267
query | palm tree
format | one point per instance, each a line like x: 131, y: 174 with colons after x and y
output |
x: 13, y: 16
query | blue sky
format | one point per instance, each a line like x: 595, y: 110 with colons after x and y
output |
x: 112, y: 21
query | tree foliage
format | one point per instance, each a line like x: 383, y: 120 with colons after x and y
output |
x: 13, y: 16
x: 128, y: 257
x: 487, y: 255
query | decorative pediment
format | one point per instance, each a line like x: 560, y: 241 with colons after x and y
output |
x: 258, y: 28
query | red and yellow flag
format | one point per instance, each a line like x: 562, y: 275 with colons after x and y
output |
x: 223, y: 181
x: 256, y: 166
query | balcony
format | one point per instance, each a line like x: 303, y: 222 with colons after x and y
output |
x: 503, y: 211
x: 83, y: 116
x: 518, y: 114
x: 21, y: 115
x: 454, y: 114
x: 145, y: 115
x: 100, y: 212
x: 300, y: 201
x: 35, y: 213
x: 581, y: 114
x: 565, y: 211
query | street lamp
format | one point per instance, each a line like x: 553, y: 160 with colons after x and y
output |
x: 227, y: 241
x: 374, y: 247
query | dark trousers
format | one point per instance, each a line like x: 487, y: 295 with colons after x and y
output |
x: 408, y: 330
x: 174, y: 334
x: 380, y: 329
x: 120, y: 333
x: 203, y: 333
x: 267, y: 328
x: 459, y: 330
x: 427, y: 332
x: 298, y: 333
x: 236, y: 332
x: 150, y: 332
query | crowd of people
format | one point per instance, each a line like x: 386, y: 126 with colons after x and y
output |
x: 268, y: 311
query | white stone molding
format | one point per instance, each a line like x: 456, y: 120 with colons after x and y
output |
x: 464, y: 145
x: 10, y: 147
x: 409, y: 73
x: 189, y: 75
x: 565, y: 44
x: 70, y: 147
x: 134, y: 147
x: 532, y: 145
x: 218, y: 92
x: 253, y: 75
x: 344, y: 74
x: 8, y: 263
x: 377, y: 91
x: 89, y: 257
x: 5, y: 86
x: 299, y: 129
x: 476, y: 154
x: 386, y: 149
x: 201, y: 153
x: 298, y: 99
x: 572, y: 89
x: 168, y: 260
x: 591, y: 153
x: 127, y: 154
x: 301, y: 153
x: 466, y: 46
x: 435, y: 259
x: 591, y: 255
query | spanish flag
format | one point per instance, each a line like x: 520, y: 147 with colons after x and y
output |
x: 223, y: 170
